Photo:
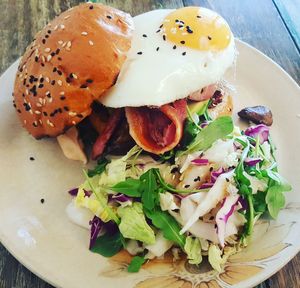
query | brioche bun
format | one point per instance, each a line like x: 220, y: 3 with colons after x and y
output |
x: 71, y: 63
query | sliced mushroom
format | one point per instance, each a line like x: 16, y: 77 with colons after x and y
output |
x: 257, y: 114
x: 71, y: 145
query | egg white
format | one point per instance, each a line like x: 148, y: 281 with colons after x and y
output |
x: 158, y: 77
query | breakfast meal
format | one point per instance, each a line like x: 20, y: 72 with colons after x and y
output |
x: 146, y: 98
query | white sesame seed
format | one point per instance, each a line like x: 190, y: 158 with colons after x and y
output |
x: 74, y: 122
x: 35, y: 123
x: 62, y: 93
x: 59, y: 82
x: 27, y: 92
x: 60, y: 42
x: 55, y: 28
x: 62, y: 26
x: 47, y: 93
x: 41, y: 100
x: 38, y: 105
x: 44, y: 101
x: 84, y: 33
x: 64, y: 44
x: 41, y: 122
x: 47, y: 79
x: 74, y: 76
x: 69, y: 44
x: 47, y: 50
x: 49, y: 57
x: 25, y: 122
x: 72, y: 114
x: 43, y: 59
x: 91, y: 42
x: 30, y: 111
x: 68, y: 48
x: 37, y: 112
x: 50, y: 123
x: 50, y: 100
x: 67, y: 17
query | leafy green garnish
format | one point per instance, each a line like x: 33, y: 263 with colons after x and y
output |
x: 218, y: 129
x: 192, y: 248
x: 108, y: 245
x: 133, y: 224
x: 99, y: 169
x: 149, y: 188
x: 167, y: 224
x: 129, y: 187
x: 136, y: 264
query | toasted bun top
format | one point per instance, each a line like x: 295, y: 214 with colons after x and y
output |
x: 71, y: 63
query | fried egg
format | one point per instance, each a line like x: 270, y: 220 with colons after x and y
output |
x: 173, y: 54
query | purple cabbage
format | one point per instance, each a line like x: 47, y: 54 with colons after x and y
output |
x: 120, y: 198
x: 206, y: 185
x: 74, y: 192
x: 261, y: 131
x: 215, y: 174
x: 203, y: 124
x: 200, y: 162
x: 96, y: 226
x: 252, y: 161
x: 243, y: 202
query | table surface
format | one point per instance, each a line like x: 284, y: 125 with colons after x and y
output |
x: 271, y: 26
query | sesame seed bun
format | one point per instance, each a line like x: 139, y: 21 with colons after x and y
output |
x: 71, y: 63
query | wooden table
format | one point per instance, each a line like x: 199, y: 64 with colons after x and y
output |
x: 271, y: 26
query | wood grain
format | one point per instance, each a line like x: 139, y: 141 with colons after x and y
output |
x: 256, y: 22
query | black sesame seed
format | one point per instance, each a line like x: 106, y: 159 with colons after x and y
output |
x: 187, y: 186
x: 59, y: 72
x: 89, y: 81
x: 161, y: 25
x: 139, y: 53
x: 108, y: 17
x: 197, y: 179
x: 42, y: 64
x: 83, y: 86
x: 36, y: 59
x: 188, y: 29
x: 164, y: 37
x: 53, y: 82
x: 49, y: 31
x: 211, y: 169
x: 54, y: 69
x: 157, y: 48
x: 44, y: 41
x: 68, y: 80
x: 41, y: 86
x: 144, y: 35
x: 62, y: 98
x: 59, y: 58
x: 184, y: 53
x: 57, y: 51
x: 66, y: 108
x: 158, y: 31
x: 34, y: 124
x: 182, y: 42
x: 174, y: 47
x: 46, y: 36
x: 198, y: 16
x: 202, y: 90
x: 42, y: 201
x: 71, y: 75
x: 176, y: 21
x: 42, y: 80
x: 227, y: 180
x: 24, y: 82
x: 31, y: 159
x: 59, y: 110
x: 49, y: 95
x: 91, y: 7
x: 174, y: 170
x: 180, y: 26
x: 23, y: 94
x: 45, y: 113
x: 53, y: 54
x: 19, y: 111
x: 52, y: 114
x: 209, y: 38
x: 15, y: 105
x: 79, y: 115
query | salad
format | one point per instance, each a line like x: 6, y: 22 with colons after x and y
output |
x: 200, y: 199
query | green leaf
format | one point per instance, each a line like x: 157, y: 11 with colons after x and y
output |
x: 218, y: 129
x: 192, y: 248
x: 149, y: 188
x: 259, y: 202
x: 136, y: 264
x: 275, y: 199
x: 108, y: 245
x: 167, y: 224
x: 100, y: 167
x: 190, y: 132
x: 129, y: 187
x: 133, y: 224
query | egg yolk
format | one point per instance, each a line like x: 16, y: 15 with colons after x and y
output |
x: 196, y: 28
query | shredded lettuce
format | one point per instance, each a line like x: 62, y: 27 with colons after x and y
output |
x: 133, y: 224
x: 192, y: 248
x: 215, y: 257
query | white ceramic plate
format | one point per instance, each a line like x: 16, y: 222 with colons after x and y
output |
x: 41, y: 237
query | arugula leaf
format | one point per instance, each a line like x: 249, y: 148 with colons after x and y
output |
x: 275, y: 198
x: 149, y: 188
x: 136, y: 264
x: 108, y: 245
x: 167, y: 224
x: 217, y: 129
x: 190, y: 132
x: 259, y: 202
x: 99, y: 169
x: 129, y: 187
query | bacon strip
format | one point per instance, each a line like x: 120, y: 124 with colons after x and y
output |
x: 106, y: 134
x: 157, y: 130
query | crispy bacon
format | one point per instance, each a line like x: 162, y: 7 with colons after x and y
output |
x: 106, y: 134
x: 157, y: 130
